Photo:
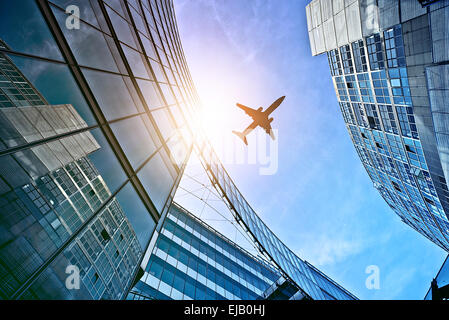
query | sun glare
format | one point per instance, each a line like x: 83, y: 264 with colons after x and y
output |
x: 219, y: 116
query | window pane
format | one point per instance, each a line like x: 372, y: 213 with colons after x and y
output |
x: 150, y: 93
x: 88, y: 44
x: 122, y: 28
x: 24, y: 29
x: 138, y: 216
x: 157, y: 181
x: 135, y: 62
x: 106, y: 162
x: 164, y: 123
x: 86, y: 11
x: 134, y: 139
x: 112, y: 94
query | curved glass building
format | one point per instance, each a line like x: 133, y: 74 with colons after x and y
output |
x: 93, y: 105
x: 96, y: 103
x: 389, y: 65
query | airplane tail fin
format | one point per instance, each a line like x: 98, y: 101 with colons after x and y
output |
x: 241, y: 136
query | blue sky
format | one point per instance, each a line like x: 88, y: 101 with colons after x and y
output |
x: 320, y: 202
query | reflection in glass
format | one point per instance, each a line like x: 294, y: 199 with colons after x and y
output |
x: 52, y: 81
x: 89, y: 45
x: 59, y: 188
x: 24, y: 29
x: 134, y: 139
x: 113, y: 94
x: 138, y: 216
x: 157, y: 180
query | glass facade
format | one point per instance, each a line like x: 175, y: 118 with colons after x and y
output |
x: 389, y: 146
x: 193, y: 261
x: 90, y: 118
x: 381, y: 100
x: 96, y: 107
x: 311, y: 283
x: 442, y: 279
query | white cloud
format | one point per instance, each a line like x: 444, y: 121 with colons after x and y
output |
x: 327, y: 250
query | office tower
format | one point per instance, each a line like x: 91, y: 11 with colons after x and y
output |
x: 97, y: 112
x: 191, y: 260
x: 388, y: 61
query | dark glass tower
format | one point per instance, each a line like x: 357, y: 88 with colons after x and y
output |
x: 54, y: 204
x: 89, y: 120
x: 389, y: 65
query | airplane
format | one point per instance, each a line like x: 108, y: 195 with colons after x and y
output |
x: 260, y: 119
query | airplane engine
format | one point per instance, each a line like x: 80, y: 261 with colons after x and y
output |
x: 270, y: 120
x: 260, y: 109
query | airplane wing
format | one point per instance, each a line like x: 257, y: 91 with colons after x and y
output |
x: 250, y: 128
x: 274, y: 105
x: 249, y: 111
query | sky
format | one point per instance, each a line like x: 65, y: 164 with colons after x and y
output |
x: 320, y: 201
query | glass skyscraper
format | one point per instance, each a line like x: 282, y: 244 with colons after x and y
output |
x: 388, y: 62
x: 96, y: 113
x: 89, y: 118
x: 191, y: 260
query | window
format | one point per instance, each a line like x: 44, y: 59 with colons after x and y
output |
x: 429, y: 201
x: 76, y: 174
x: 365, y: 87
x: 396, y: 186
x: 373, y: 117
x: 375, y: 52
x: 407, y: 121
x: 334, y: 62
x: 359, y: 56
x: 156, y: 268
x: 90, y: 46
x: 351, y: 84
x: 360, y: 114
x: 157, y: 180
x: 189, y: 288
x: 24, y: 29
x: 399, y: 86
x: 388, y: 120
x: 134, y: 138
x: 381, y: 87
x: 340, y: 87
x: 394, y: 47
x: 346, y: 110
x: 346, y: 59
x: 138, y: 216
x: 115, y: 94
x: 105, y: 235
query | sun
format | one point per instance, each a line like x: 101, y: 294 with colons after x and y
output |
x: 218, y: 116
